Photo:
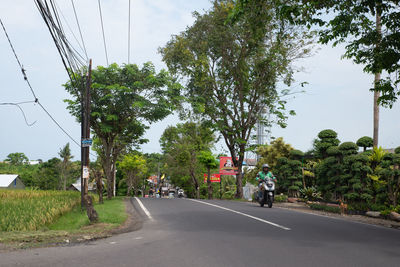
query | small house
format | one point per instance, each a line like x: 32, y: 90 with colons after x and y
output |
x: 11, y: 181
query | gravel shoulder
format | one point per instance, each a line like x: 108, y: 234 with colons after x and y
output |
x: 302, y: 207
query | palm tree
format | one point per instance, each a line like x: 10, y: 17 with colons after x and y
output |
x: 65, y: 154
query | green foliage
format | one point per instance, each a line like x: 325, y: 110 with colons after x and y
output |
x: 134, y: 169
x: 289, y: 173
x: 65, y: 154
x: 369, y: 28
x: 272, y: 152
x: 17, y: 159
x: 310, y: 194
x: 123, y: 99
x: 365, y: 142
x: 389, y: 173
x: 111, y: 212
x: 315, y: 206
x: 327, y: 139
x: 182, y: 146
x: 280, y: 198
x: 24, y: 210
x: 232, y: 72
x: 348, y: 148
x: 208, y: 160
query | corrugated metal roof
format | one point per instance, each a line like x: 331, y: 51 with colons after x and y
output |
x: 7, y: 179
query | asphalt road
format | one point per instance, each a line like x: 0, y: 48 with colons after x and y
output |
x: 183, y: 232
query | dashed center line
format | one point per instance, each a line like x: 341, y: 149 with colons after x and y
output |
x: 243, y: 214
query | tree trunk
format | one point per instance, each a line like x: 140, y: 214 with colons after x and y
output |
x: 99, y: 185
x: 377, y: 79
x: 196, y: 184
x: 239, y: 176
x: 108, y: 170
x: 210, y: 189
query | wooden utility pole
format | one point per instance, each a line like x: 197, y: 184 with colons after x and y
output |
x: 85, y: 132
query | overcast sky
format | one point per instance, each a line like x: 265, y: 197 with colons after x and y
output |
x: 337, y: 96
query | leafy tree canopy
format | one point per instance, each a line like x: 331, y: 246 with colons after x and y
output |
x: 124, y: 99
x: 17, y: 158
x: 232, y: 72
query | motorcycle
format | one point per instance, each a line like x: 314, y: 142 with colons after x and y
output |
x: 180, y: 193
x: 267, y: 188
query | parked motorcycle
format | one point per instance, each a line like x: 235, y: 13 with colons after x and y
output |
x: 267, y: 188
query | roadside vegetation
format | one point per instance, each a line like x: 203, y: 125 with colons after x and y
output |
x: 355, y: 176
x: 71, y: 226
x: 29, y: 210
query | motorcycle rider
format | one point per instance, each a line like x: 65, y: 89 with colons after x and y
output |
x: 261, y: 176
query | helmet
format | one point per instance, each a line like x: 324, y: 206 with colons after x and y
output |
x: 265, y: 166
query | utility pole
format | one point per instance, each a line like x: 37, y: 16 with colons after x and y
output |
x: 85, y: 136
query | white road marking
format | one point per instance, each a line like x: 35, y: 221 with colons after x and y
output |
x: 144, y: 208
x: 244, y: 214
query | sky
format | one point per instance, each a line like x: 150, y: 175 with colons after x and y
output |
x: 336, y: 97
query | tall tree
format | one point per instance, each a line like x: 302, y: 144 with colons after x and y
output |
x: 134, y: 168
x: 232, y: 72
x: 65, y: 154
x: 369, y: 27
x: 182, y: 145
x: 123, y: 99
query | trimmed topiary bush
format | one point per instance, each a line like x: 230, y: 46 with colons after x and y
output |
x: 365, y: 142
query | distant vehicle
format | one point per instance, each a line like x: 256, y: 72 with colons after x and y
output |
x: 171, y: 195
x: 181, y: 193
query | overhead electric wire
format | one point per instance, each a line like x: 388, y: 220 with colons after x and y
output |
x: 129, y: 31
x: 102, y: 29
x: 22, y: 111
x: 70, y: 29
x: 54, y: 120
x: 19, y: 63
x: 33, y: 92
x: 79, y: 27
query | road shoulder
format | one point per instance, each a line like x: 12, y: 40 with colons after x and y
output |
x: 302, y: 207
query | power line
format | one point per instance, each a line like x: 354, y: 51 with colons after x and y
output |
x: 59, y: 126
x: 79, y: 27
x: 33, y: 92
x: 22, y: 111
x: 16, y: 57
x: 102, y: 29
x: 129, y: 31
x: 69, y: 27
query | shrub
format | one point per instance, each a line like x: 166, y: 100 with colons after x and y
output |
x: 377, y: 207
x: 310, y: 194
x: 385, y: 213
x: 359, y: 206
x: 281, y: 198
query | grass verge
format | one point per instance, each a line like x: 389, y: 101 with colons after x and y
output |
x: 72, y: 227
x: 326, y: 208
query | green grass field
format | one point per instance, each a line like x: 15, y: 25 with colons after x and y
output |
x: 29, y: 210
